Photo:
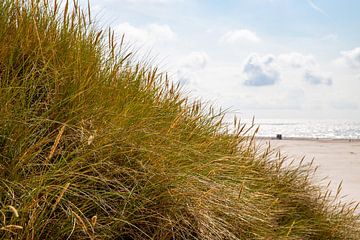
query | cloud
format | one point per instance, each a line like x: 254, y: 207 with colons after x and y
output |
x: 151, y: 33
x: 260, y: 71
x: 317, y: 78
x: 267, y: 69
x: 297, y: 60
x: 189, y: 65
x: 183, y: 77
x: 308, y: 65
x: 316, y: 8
x: 195, y: 61
x: 352, y: 57
x: 240, y: 35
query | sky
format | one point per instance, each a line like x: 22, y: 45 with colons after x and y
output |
x: 262, y: 58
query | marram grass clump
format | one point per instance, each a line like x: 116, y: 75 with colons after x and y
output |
x: 96, y: 146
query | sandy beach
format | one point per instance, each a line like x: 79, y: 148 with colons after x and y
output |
x: 338, y: 160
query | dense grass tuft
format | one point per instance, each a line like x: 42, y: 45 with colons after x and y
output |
x: 96, y: 146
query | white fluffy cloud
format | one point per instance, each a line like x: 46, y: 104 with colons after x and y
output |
x: 317, y: 78
x: 195, y: 61
x: 189, y: 65
x: 266, y: 70
x: 297, y: 60
x: 352, y: 57
x: 148, y: 34
x: 239, y: 35
x: 260, y: 70
x: 309, y: 67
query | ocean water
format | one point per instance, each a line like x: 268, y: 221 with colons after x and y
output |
x: 306, y: 128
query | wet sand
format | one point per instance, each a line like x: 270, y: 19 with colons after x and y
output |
x: 336, y: 159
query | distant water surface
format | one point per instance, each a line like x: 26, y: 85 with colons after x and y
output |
x: 305, y: 128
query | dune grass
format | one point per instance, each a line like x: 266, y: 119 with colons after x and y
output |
x: 96, y: 146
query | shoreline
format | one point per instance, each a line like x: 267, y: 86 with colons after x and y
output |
x: 309, y: 139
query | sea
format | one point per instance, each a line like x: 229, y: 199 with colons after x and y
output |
x: 307, y: 128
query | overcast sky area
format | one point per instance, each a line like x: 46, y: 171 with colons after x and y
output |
x: 262, y: 58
